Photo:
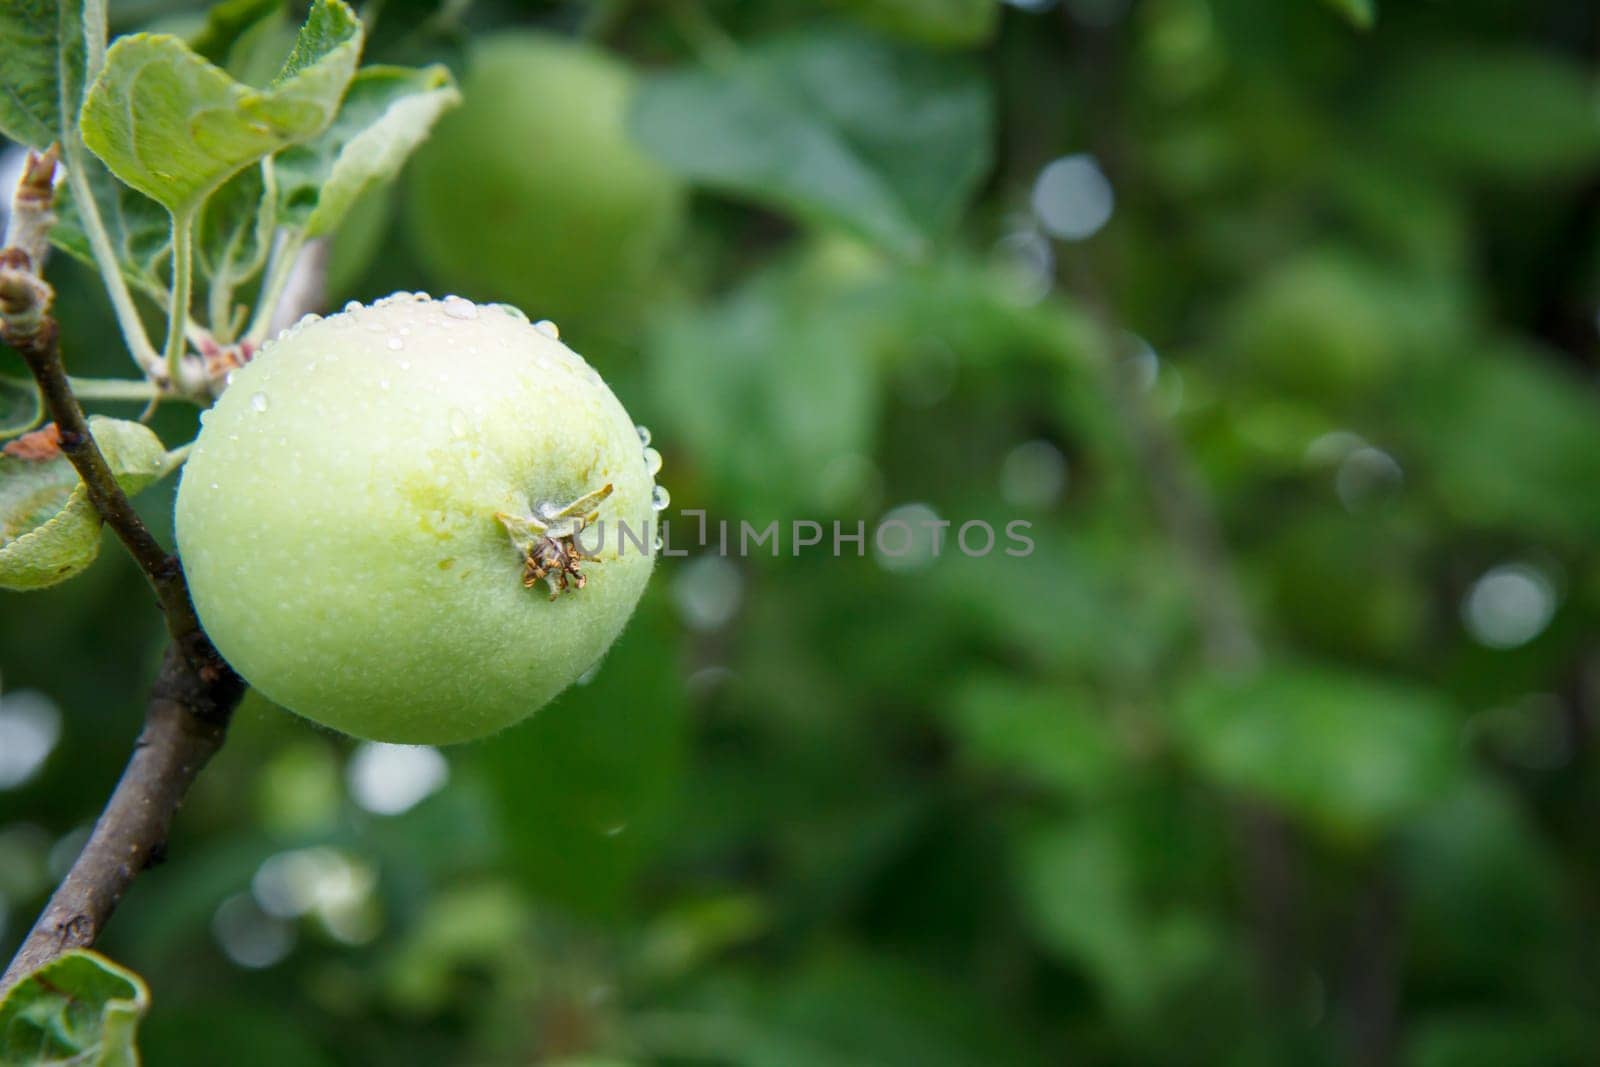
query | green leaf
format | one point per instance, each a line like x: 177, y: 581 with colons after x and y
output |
x: 837, y: 128
x: 1493, y: 114
x: 386, y: 114
x: 78, y: 1010
x: 464, y: 927
x: 1362, y: 14
x: 773, y: 391
x: 41, y: 68
x: 1349, y: 754
x: 175, y: 127
x: 49, y: 530
x: 140, y: 231
x: 1081, y: 886
x: 1046, y: 735
x: 20, y: 409
x: 1509, y: 438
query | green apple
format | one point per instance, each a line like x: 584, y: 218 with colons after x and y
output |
x: 531, y: 191
x: 417, y: 521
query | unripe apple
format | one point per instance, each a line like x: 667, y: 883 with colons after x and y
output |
x: 531, y: 191
x: 417, y: 521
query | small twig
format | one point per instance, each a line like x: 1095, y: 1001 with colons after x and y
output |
x: 32, y: 205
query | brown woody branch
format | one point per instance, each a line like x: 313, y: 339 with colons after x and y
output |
x: 183, y: 728
x: 195, y: 692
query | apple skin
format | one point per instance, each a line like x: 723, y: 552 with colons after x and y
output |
x: 531, y: 191
x: 337, y: 519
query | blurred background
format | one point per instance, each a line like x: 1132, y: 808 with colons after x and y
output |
x: 1275, y: 318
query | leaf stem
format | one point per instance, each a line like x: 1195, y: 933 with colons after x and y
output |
x: 94, y: 35
x: 105, y: 257
x: 182, y: 278
x: 113, y: 388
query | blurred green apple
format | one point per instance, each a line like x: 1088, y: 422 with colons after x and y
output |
x: 531, y: 191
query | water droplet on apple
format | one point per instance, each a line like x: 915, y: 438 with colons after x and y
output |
x: 458, y: 308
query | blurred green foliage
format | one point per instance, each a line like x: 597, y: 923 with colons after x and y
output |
x: 953, y: 810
